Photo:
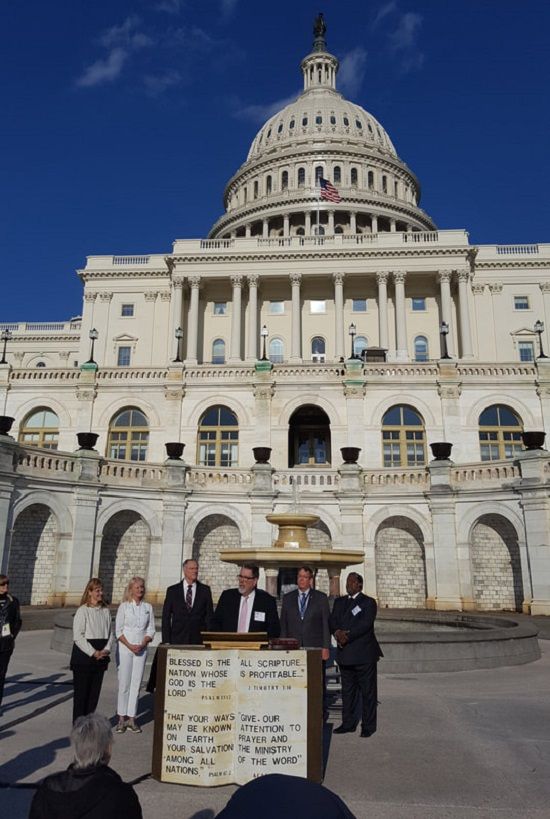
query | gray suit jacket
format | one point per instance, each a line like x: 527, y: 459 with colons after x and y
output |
x: 313, y: 631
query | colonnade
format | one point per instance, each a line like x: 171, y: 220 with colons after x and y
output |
x: 308, y: 222
x: 397, y: 278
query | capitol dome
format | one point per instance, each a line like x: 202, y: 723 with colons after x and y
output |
x: 275, y: 193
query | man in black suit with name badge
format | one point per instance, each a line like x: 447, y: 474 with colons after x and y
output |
x: 352, y: 623
x: 247, y: 608
x: 187, y: 608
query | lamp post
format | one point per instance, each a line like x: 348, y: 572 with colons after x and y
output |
x: 444, y: 332
x: 539, y: 330
x: 179, y: 335
x: 352, y: 332
x: 264, y: 334
x: 6, y: 335
x: 93, y: 336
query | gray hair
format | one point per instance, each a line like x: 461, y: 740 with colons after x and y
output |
x: 92, y: 739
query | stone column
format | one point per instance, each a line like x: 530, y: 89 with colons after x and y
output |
x: 383, y: 338
x: 103, y: 321
x: 536, y: 515
x: 286, y: 225
x: 265, y: 228
x: 442, y: 505
x: 252, y: 340
x: 87, y: 323
x: 173, y: 550
x: 83, y: 556
x: 444, y: 278
x: 193, y: 321
x: 353, y: 222
x: 464, y: 310
x: 176, y: 312
x: 8, y: 449
x: 330, y: 229
x: 393, y: 226
x: 339, y: 314
x: 235, y: 352
x: 401, y: 352
x: 374, y: 223
x: 308, y: 223
x: 296, y: 341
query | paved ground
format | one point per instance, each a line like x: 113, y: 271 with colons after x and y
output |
x: 473, y: 744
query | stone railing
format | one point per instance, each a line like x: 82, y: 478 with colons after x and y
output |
x: 491, y: 471
x: 46, y: 374
x: 418, y: 478
x: 512, y: 369
x: 516, y: 250
x: 218, y: 372
x: 131, y: 374
x: 395, y: 370
x: 130, y: 260
x: 52, y: 463
x: 129, y: 472
x: 42, y: 326
x: 209, y: 478
x: 303, y: 478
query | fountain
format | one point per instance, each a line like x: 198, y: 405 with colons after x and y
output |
x: 291, y: 549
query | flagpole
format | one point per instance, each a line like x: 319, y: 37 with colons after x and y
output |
x: 318, y: 204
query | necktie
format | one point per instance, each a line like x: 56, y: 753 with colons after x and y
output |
x: 243, y: 616
x: 303, y: 604
x: 189, y: 597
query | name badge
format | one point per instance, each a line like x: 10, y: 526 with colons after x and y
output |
x: 356, y: 611
x: 259, y: 616
x: 6, y: 632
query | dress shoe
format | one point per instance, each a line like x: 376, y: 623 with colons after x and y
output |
x: 366, y: 733
x: 343, y: 730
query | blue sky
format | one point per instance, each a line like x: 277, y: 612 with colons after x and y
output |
x: 122, y: 121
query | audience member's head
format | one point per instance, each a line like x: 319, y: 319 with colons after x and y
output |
x: 92, y: 741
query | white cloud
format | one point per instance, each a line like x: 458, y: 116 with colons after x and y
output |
x: 228, y: 7
x: 156, y: 84
x: 403, y: 41
x: 170, y: 6
x: 384, y: 11
x: 103, y: 71
x: 261, y: 113
x: 352, y: 71
x: 125, y: 34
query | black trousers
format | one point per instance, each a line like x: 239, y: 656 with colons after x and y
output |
x: 5, y: 657
x: 87, y: 688
x: 359, y: 684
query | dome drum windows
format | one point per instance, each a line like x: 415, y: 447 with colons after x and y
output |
x: 337, y: 175
x: 354, y: 177
x: 218, y: 437
x: 284, y: 180
x: 301, y: 177
x: 403, y: 437
x: 268, y: 185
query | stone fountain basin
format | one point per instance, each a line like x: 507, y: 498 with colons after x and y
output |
x: 291, y: 557
x: 292, y: 519
x: 425, y: 641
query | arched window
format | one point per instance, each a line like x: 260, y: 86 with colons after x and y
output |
x: 268, y: 184
x: 218, y: 351
x: 421, y: 348
x: 403, y: 437
x: 370, y: 180
x: 337, y: 174
x: 318, y: 119
x: 385, y: 184
x: 40, y: 428
x: 40, y: 363
x: 300, y: 231
x: 361, y: 343
x: 291, y: 124
x: 354, y: 176
x: 318, y: 348
x: 304, y: 121
x: 319, y: 230
x: 255, y: 189
x: 218, y: 441
x: 128, y: 436
x: 318, y: 174
x: 499, y: 433
x: 309, y: 437
x: 276, y: 351
x: 301, y: 177
x: 284, y: 180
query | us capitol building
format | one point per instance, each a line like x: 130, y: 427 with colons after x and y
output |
x: 306, y: 325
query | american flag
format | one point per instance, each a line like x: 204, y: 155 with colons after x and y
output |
x: 328, y: 191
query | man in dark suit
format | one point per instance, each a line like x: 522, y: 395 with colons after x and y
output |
x: 305, y: 616
x: 247, y: 608
x: 187, y: 608
x: 352, y: 623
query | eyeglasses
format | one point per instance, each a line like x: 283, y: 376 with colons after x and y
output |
x: 244, y: 577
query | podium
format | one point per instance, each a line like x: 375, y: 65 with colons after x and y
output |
x: 227, y: 715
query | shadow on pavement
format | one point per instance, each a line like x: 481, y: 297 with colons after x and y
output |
x: 31, y: 761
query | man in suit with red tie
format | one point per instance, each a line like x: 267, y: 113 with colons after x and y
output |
x: 247, y: 608
x: 187, y: 608
x: 352, y: 623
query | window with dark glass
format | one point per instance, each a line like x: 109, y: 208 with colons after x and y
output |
x: 218, y: 351
x: 499, y: 433
x: 337, y: 174
x: 218, y: 437
x: 128, y: 436
x: 403, y: 437
x: 40, y: 429
x: 124, y: 356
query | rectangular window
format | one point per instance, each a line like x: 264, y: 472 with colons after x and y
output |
x: 359, y: 305
x: 418, y: 303
x: 521, y: 302
x: 124, y: 355
x: 220, y: 308
x: 127, y: 310
x: 276, y: 308
x: 316, y: 306
x: 526, y: 351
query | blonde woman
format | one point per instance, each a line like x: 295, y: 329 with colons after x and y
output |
x: 92, y: 636
x: 134, y: 629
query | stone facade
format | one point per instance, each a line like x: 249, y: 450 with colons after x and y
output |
x: 400, y: 565
x: 32, y: 555
x: 496, y: 565
x: 124, y: 553
x: 216, y: 532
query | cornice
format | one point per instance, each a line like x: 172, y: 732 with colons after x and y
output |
x: 342, y: 254
x: 121, y: 273
x: 523, y: 265
x: 43, y: 338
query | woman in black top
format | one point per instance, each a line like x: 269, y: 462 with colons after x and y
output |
x: 10, y: 623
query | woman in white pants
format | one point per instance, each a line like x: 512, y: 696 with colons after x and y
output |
x: 134, y: 629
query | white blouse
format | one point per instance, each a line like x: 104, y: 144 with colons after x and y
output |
x: 135, y: 621
x: 92, y: 623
